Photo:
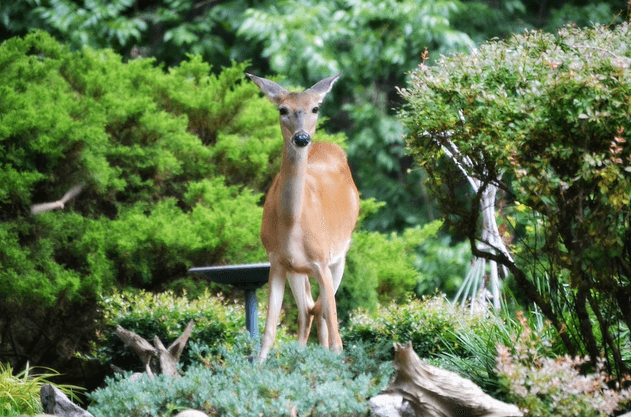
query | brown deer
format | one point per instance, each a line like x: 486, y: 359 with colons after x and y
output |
x: 308, y: 217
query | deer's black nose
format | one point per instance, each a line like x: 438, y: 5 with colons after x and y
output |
x: 301, y: 139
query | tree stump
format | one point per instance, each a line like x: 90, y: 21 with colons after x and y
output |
x: 423, y: 390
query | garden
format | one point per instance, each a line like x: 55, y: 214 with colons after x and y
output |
x: 167, y: 151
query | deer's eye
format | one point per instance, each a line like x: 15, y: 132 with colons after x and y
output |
x: 283, y: 111
x: 315, y: 109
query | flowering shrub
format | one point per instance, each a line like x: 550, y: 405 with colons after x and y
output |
x: 545, y: 386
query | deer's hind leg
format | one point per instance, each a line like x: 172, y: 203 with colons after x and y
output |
x: 301, y: 289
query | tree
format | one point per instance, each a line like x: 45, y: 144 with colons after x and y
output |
x: 171, y: 171
x: 544, y: 118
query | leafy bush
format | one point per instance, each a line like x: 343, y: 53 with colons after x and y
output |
x: 156, y: 198
x: 545, y: 119
x: 430, y: 324
x: 545, y: 386
x: 314, y: 380
x: 218, y: 322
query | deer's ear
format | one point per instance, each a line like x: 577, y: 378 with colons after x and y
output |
x: 273, y: 91
x: 322, y: 87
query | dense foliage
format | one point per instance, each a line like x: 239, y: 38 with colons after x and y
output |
x: 217, y: 322
x: 172, y: 167
x: 430, y: 324
x: 544, y: 118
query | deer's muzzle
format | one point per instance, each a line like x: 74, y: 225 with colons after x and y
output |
x: 301, y: 139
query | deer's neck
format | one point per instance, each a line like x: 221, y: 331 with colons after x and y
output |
x: 293, y: 173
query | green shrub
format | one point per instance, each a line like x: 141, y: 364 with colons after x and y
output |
x: 173, y: 166
x: 430, y: 324
x: 314, y: 380
x: 159, y: 155
x: 381, y: 268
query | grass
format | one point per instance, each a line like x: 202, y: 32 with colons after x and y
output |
x: 19, y: 394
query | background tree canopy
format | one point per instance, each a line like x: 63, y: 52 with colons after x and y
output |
x: 374, y: 43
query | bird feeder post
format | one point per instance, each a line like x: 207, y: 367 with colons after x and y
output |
x: 249, y: 278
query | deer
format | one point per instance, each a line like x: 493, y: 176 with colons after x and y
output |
x: 309, y: 214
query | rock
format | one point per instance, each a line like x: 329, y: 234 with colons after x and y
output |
x: 391, y: 405
x: 191, y: 413
x: 56, y: 402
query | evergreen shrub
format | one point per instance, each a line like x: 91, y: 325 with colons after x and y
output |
x: 314, y: 380
x: 173, y: 166
x: 381, y: 268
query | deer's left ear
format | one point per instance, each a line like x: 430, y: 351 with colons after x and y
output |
x: 273, y: 91
x: 322, y: 87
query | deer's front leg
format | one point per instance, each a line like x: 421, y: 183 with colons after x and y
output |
x: 275, y: 301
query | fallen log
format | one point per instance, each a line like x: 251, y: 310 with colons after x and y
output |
x: 423, y: 390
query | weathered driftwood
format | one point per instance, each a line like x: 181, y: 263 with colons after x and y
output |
x: 426, y: 391
x: 138, y: 345
x: 168, y: 357
x: 171, y: 356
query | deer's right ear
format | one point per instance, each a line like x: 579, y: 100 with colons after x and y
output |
x: 273, y: 91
